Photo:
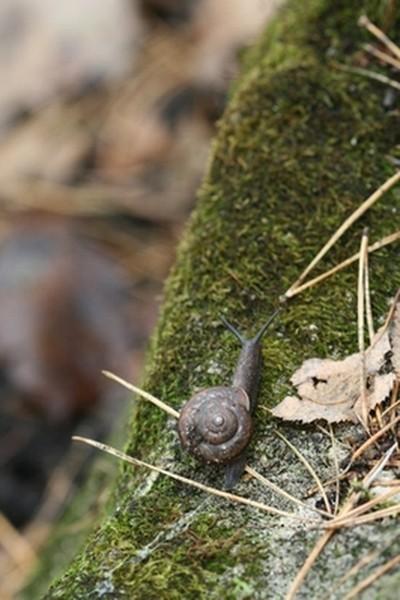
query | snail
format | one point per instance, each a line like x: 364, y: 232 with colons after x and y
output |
x: 216, y: 424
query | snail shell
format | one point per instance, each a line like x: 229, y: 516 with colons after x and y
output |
x: 215, y: 425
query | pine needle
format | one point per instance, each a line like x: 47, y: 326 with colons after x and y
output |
x: 389, y: 239
x: 174, y: 413
x: 375, y: 575
x: 363, y: 21
x: 389, y: 183
x: 382, y: 56
x: 316, y: 551
x: 391, y: 511
x: 367, y: 294
x: 379, y: 466
x: 337, y: 470
x: 385, y: 483
x: 309, y: 469
x: 390, y: 314
x: 327, y: 535
x: 165, y: 407
x: 370, y: 320
x: 282, y: 492
x: 311, y: 558
x: 390, y: 408
x: 364, y: 507
x: 370, y: 75
x: 205, y: 488
x: 360, y: 329
x: 372, y: 440
x: 395, y: 394
x: 360, y: 564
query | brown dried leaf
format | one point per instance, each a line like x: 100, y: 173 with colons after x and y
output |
x: 330, y: 389
x: 394, y: 333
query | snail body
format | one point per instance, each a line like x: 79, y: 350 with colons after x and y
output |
x: 216, y: 424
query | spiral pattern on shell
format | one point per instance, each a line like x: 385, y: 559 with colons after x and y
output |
x: 215, y: 424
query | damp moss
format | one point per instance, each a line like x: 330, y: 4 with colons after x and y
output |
x: 301, y: 144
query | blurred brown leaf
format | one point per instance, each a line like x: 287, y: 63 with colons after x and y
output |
x: 63, y: 318
x: 49, y: 47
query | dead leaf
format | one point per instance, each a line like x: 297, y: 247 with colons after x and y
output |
x: 394, y: 333
x: 53, y: 342
x: 330, y: 389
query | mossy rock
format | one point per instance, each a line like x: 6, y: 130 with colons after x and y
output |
x: 301, y: 144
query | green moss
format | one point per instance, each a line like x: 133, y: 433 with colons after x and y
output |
x: 300, y: 146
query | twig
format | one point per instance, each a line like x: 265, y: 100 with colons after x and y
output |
x: 191, y: 482
x: 375, y: 575
x: 360, y: 329
x: 370, y: 75
x: 345, y: 226
x: 309, y: 469
x: 389, y: 239
x: 159, y: 403
x: 363, y: 21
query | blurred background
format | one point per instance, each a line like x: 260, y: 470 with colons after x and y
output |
x: 107, y: 110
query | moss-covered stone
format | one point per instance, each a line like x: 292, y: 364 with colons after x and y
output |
x: 299, y: 147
